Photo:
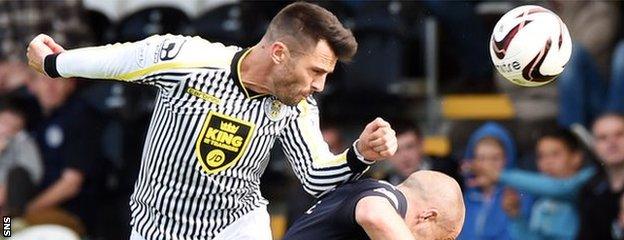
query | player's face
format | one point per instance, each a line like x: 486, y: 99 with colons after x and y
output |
x: 609, y: 140
x: 555, y: 159
x: 304, y: 73
x: 407, y: 158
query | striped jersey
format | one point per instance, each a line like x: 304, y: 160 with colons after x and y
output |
x: 209, y: 137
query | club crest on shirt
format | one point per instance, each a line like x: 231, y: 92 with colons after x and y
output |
x: 274, y: 109
x: 222, y: 141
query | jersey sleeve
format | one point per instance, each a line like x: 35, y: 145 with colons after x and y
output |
x: 138, y: 62
x: 397, y: 201
x: 389, y: 192
x: 309, y: 156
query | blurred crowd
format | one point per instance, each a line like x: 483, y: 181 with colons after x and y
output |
x: 69, y: 149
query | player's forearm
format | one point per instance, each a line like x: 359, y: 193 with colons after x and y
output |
x: 319, y: 175
x: 67, y: 187
x: 104, y: 62
x: 314, y: 164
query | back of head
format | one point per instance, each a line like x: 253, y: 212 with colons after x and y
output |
x: 435, y: 190
x: 302, y: 25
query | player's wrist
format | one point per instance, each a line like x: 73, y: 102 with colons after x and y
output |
x: 356, y: 162
x: 49, y: 65
x: 359, y: 155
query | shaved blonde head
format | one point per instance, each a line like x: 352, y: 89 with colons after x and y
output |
x: 435, y: 190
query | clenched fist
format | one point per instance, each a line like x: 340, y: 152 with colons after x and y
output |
x: 40, y: 47
x: 377, y: 141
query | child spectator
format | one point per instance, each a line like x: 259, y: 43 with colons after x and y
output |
x: 492, y: 146
x: 554, y: 214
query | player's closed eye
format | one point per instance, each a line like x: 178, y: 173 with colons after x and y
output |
x: 318, y: 72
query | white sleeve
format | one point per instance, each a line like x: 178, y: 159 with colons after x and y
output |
x: 137, y: 60
x: 308, y: 154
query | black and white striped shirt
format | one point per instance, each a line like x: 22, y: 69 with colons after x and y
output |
x: 209, y: 138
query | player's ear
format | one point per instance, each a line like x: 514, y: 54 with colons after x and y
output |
x: 278, y: 52
x: 428, y: 215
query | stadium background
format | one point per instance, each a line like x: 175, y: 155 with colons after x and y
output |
x: 424, y: 62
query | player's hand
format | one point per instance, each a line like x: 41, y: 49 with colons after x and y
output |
x: 40, y: 47
x: 377, y: 141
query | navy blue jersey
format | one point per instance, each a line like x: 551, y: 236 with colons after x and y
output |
x: 333, y: 216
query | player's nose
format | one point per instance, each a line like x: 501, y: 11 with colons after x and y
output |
x: 319, y: 84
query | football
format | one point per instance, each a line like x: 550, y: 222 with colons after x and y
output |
x: 530, y: 46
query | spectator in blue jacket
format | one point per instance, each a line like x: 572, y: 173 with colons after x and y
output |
x: 490, y: 145
x: 554, y: 214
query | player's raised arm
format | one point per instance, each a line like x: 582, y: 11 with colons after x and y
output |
x: 122, y: 61
x: 316, y: 167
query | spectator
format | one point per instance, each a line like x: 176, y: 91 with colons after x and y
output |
x: 13, y: 76
x: 19, y: 158
x: 410, y: 157
x: 68, y: 137
x: 593, y: 80
x: 554, y: 214
x: 599, y: 204
x: 492, y: 145
x: 584, y: 92
x: 334, y: 139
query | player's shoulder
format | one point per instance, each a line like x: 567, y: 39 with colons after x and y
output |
x: 369, y: 183
x: 194, y: 49
x: 379, y: 188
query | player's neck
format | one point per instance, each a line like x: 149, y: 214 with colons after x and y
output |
x: 409, y: 212
x: 254, y: 70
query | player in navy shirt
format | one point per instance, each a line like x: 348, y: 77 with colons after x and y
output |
x: 427, y: 205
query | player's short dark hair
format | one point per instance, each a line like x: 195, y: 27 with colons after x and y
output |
x: 302, y: 24
x: 565, y: 136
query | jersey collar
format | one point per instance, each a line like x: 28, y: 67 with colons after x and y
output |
x: 235, y: 67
